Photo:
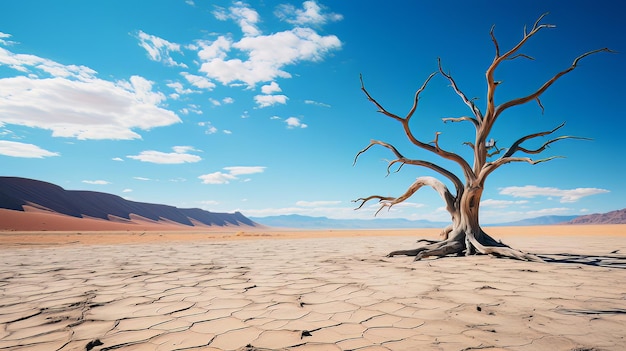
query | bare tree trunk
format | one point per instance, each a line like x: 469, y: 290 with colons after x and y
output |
x: 465, y: 235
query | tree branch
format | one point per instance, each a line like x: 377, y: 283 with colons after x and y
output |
x: 407, y: 130
x: 535, y: 96
x: 458, y: 184
x: 491, y: 84
x: 387, y: 201
x: 461, y: 119
x: 475, y: 110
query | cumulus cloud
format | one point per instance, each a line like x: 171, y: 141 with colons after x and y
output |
x: 180, y: 155
x: 271, y: 88
x: 270, y: 100
x: 294, y: 122
x: 232, y: 173
x: 565, y: 195
x: 159, y: 49
x: 72, y: 102
x: 262, y: 58
x: 17, y: 149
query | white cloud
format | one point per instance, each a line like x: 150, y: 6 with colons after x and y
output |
x: 565, y: 195
x: 179, y: 88
x: 117, y: 159
x: 273, y: 87
x: 311, y: 13
x: 311, y: 102
x: 501, y: 203
x: 239, y: 170
x: 159, y: 49
x: 71, y: 102
x: 233, y: 174
x: 17, y: 149
x: 244, y: 16
x: 180, y: 155
x: 3, y: 37
x: 198, y: 81
x: 142, y: 178
x: 226, y: 131
x: 217, y: 178
x: 316, y: 203
x: 270, y: 100
x: 294, y: 122
x: 96, y: 182
x: 260, y: 58
x: 127, y: 190
x: 228, y: 100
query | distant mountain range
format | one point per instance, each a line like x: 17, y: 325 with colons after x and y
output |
x: 306, y: 222
x: 16, y: 193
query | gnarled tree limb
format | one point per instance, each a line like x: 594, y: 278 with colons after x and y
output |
x: 436, y: 184
x: 458, y: 184
x: 467, y: 170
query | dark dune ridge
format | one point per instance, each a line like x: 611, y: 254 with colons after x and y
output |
x: 15, y: 193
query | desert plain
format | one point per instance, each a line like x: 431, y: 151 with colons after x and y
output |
x: 266, y: 289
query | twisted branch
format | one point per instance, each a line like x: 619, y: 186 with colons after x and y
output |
x: 458, y: 184
x: 388, y: 201
x: 470, y: 103
x: 535, y: 96
x: 407, y: 129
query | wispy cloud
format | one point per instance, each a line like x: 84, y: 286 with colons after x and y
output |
x: 17, y: 149
x: 316, y: 103
x: 180, y: 155
x: 232, y: 173
x: 159, y: 49
x: 311, y: 13
x: 501, y: 203
x: 316, y: 203
x: 565, y: 195
x: 96, y: 182
x: 144, y: 179
x: 4, y: 39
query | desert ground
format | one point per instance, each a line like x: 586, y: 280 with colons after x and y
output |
x: 264, y: 289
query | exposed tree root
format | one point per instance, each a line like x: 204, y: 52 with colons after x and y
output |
x: 465, y: 244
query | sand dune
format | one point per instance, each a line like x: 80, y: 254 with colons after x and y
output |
x: 21, y: 194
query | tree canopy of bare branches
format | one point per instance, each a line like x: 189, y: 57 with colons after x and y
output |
x: 464, y: 235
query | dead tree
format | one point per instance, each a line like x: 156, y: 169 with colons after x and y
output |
x: 464, y: 234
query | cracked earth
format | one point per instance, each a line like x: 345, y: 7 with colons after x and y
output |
x: 302, y: 294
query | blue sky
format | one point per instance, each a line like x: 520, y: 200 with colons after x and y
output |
x: 256, y: 106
